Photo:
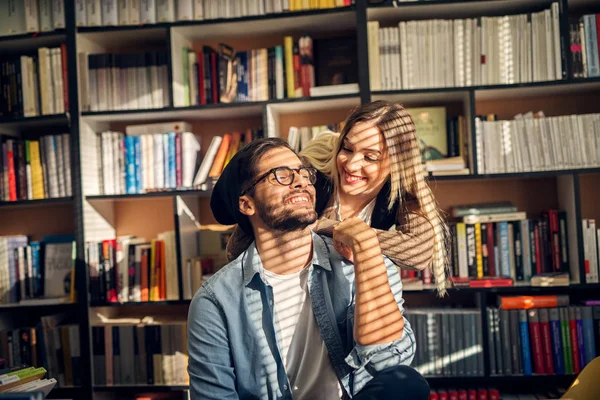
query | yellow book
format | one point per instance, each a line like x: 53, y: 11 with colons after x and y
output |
x: 314, y: 4
x: 478, y: 254
x: 305, y: 5
x: 288, y: 48
x: 37, y: 175
x: 66, y: 348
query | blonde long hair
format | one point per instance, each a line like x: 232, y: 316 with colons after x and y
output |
x: 407, y: 172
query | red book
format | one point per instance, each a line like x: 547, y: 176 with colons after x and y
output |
x: 491, y: 281
x: 12, y: 181
x: 178, y: 163
x: 554, y: 240
x: 462, y: 394
x: 472, y: 393
x: 536, y: 341
x: 574, y: 346
x: 494, y: 394
x: 452, y: 394
x: 546, y: 341
x: 63, y: 53
x: 443, y: 394
x: 482, y: 394
x: 433, y: 396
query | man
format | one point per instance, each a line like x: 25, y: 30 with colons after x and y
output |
x: 291, y: 318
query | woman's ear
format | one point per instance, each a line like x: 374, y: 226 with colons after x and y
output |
x: 246, y: 205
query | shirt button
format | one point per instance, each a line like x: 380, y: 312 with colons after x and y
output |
x: 285, y: 387
x: 318, y: 271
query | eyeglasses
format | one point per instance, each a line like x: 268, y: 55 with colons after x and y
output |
x: 285, y: 176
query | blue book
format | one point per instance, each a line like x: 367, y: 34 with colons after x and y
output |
x: 503, y: 249
x: 165, y: 147
x: 138, y: 164
x: 557, y: 348
x: 36, y: 268
x: 579, y: 330
x: 130, y: 165
x: 589, y: 344
x: 525, y: 346
x: 172, y: 167
x: 591, y: 45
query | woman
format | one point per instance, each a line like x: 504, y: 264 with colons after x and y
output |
x: 373, y: 170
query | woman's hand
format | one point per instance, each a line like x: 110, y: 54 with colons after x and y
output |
x: 352, y: 236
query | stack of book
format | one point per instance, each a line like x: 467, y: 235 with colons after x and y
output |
x: 34, y: 16
x: 25, y: 379
x: 298, y: 137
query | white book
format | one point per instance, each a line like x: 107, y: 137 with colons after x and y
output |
x: 93, y: 12
x: 185, y: 10
x: 156, y: 93
x: 110, y: 13
x: 144, y: 162
x: 32, y: 16
x: 403, y: 46
x: 165, y: 10
x: 190, y: 150
x: 558, y: 70
x: 550, y: 47
x: 58, y: 14
x: 134, y: 12
x: 193, y: 77
x: 27, y: 100
x: 199, y: 9
x: 46, y: 81
x: 60, y: 166
x: 14, y: 17
x: 160, y: 127
x: 123, y: 12
x: 56, y: 58
x: 207, y: 161
x: 51, y: 164
x: 45, y: 10
x: 66, y: 150
x: 147, y: 11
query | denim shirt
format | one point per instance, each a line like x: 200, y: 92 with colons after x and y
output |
x: 232, y: 343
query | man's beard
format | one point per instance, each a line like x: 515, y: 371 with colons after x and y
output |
x: 287, y: 220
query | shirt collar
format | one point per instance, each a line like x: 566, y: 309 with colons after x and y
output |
x: 252, y: 264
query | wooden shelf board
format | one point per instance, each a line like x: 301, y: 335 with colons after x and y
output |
x: 34, y: 203
x: 26, y: 42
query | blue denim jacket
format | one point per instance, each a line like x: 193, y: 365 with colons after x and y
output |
x: 232, y: 344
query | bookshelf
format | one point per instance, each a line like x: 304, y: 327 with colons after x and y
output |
x: 92, y: 216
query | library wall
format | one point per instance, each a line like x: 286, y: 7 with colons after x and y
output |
x: 589, y: 185
x: 38, y: 222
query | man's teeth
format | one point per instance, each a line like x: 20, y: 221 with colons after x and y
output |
x: 297, y: 199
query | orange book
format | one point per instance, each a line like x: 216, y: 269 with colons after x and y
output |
x: 154, y: 266
x: 236, y: 138
x: 145, y: 295
x: 526, y: 302
x: 219, y: 162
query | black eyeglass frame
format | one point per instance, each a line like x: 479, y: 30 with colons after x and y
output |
x: 312, y: 176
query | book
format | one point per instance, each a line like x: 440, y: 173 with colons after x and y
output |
x: 430, y: 124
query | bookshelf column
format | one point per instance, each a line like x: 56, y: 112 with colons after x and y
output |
x: 362, y: 47
x: 81, y: 274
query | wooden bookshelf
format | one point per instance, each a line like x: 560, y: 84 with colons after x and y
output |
x: 91, y: 216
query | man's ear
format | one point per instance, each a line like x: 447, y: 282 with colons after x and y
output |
x: 246, y: 205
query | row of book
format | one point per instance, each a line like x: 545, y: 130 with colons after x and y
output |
x: 19, y: 17
x: 35, y: 169
x: 120, y: 13
x: 533, y: 142
x: 128, y: 81
x: 591, y: 250
x: 583, y: 34
x: 466, y: 52
x: 298, y: 137
x: 132, y: 269
x: 140, y: 354
x: 556, y: 340
x: 440, y: 350
x: 510, y: 245
x: 51, y: 344
x: 34, y: 85
x: 493, y: 393
x: 37, y: 272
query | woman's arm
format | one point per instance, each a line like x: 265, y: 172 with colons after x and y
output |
x: 407, y: 248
